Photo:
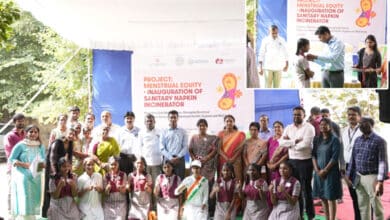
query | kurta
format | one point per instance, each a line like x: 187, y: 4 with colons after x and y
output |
x: 90, y: 203
x: 64, y: 207
x: 115, y: 204
x: 325, y: 151
x: 25, y: 188
x: 201, y: 147
x: 275, y: 153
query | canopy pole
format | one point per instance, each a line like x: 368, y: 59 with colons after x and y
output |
x: 89, y: 81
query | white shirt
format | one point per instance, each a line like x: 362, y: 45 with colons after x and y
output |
x: 273, y: 53
x: 149, y: 146
x: 90, y: 203
x: 303, y: 149
x: 114, y: 132
x: 202, y: 196
x: 349, y: 136
x: 128, y: 140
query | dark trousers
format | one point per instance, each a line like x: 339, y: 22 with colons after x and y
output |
x: 354, y: 197
x: 46, y: 194
x: 303, y: 171
x: 332, y: 79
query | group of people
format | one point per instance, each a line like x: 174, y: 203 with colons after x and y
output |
x: 273, y: 60
x: 112, y: 172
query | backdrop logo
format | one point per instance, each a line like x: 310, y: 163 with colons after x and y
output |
x: 229, y: 83
x: 219, y: 61
x: 156, y: 61
x: 197, y: 61
x: 366, y: 13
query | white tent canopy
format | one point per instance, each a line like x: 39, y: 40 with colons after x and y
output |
x: 132, y: 24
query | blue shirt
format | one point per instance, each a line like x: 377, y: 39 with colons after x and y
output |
x: 174, y: 141
x: 369, y: 156
x: 332, y: 58
x: 265, y: 135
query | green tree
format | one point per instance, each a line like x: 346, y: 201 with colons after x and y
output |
x: 251, y: 9
x: 34, y: 60
x: 339, y: 101
x: 8, y: 15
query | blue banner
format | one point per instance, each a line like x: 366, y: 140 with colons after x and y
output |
x: 270, y: 12
x: 111, y: 84
x: 276, y: 104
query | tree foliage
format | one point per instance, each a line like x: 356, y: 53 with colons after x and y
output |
x: 8, y: 15
x: 34, y: 60
x: 338, y: 102
x: 251, y: 9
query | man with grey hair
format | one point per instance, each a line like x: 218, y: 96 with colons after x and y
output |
x: 106, y: 120
x: 273, y: 58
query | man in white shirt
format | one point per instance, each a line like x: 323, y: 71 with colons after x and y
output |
x: 273, y: 58
x: 349, y: 135
x: 298, y: 137
x: 128, y: 142
x: 106, y: 119
x: 149, y: 146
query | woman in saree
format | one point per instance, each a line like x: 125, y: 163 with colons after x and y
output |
x: 105, y: 148
x: 255, y: 150
x: 276, y: 154
x: 203, y: 147
x: 232, y: 146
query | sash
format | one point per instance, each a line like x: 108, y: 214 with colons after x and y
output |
x: 194, y: 188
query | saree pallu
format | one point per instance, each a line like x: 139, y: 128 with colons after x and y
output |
x: 231, y: 145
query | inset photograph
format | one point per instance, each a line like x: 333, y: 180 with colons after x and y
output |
x: 316, y: 44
